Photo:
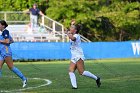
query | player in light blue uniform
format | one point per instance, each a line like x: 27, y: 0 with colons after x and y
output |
x: 6, y: 53
x: 2, y: 51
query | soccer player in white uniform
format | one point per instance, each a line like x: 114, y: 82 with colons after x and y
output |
x: 77, y: 58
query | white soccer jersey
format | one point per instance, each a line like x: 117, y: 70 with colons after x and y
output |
x: 76, y: 50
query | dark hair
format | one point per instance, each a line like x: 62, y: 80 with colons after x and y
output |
x: 78, y: 28
x: 34, y: 4
x: 3, y: 22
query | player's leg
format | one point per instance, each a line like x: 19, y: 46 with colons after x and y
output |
x: 10, y: 65
x: 31, y: 21
x: 72, y: 69
x: 35, y: 21
x: 80, y: 66
x: 1, y: 64
x: 7, y: 55
x: 81, y: 69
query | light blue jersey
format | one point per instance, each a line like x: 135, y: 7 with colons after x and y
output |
x: 1, y: 46
x: 1, y: 38
x: 5, y: 50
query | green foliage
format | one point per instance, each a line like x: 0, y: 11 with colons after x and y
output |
x: 19, y: 5
x: 13, y: 5
x: 124, y: 16
x: 101, y: 20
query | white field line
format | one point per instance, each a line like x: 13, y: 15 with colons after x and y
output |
x: 47, y: 82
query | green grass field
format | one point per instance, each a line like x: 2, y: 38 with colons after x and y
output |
x: 117, y: 76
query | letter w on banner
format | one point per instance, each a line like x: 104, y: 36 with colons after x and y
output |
x: 136, y: 48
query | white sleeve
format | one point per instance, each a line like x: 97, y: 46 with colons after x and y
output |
x: 76, y: 36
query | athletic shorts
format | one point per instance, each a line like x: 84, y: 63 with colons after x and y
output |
x: 5, y: 52
x: 76, y: 59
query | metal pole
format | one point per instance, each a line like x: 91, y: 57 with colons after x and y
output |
x: 53, y: 28
x: 5, y: 16
x: 63, y: 35
x: 43, y: 20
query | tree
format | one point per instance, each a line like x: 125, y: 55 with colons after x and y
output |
x: 101, y: 20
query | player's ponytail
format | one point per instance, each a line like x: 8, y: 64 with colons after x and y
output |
x: 78, y: 28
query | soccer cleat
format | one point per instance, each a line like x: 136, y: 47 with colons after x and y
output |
x: 24, y: 83
x: 98, y: 82
x: 74, y: 88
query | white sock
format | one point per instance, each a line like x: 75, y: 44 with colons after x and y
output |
x: 89, y: 74
x: 73, y: 79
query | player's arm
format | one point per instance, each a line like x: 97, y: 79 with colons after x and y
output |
x: 11, y: 40
x: 71, y: 36
x: 40, y: 12
x: 6, y: 37
x: 5, y: 41
x: 26, y: 11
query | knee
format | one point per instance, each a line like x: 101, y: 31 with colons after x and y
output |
x: 71, y: 70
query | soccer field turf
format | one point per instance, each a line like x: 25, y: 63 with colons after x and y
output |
x: 117, y: 76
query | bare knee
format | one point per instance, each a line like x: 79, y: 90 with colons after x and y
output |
x: 72, y: 67
x: 10, y: 66
x: 71, y: 70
